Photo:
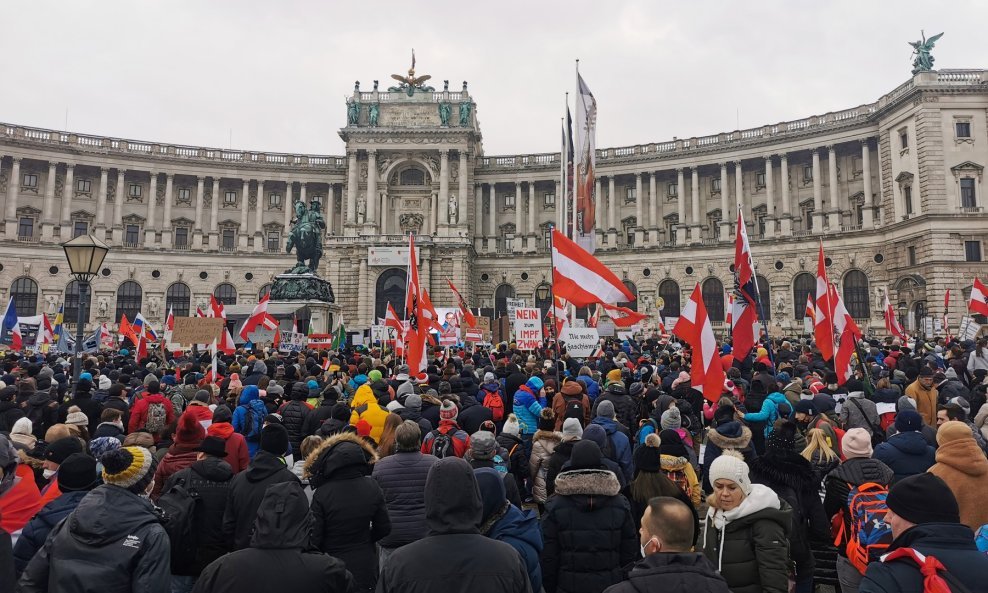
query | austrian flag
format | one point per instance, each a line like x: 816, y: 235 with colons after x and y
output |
x: 582, y: 279
x: 258, y: 318
x: 706, y: 372
x: 979, y: 298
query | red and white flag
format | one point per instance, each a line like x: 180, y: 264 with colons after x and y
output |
x: 225, y: 342
x: 979, y: 298
x: 730, y: 309
x: 468, y: 316
x: 48, y: 335
x: 594, y: 318
x: 706, y: 372
x: 946, y: 309
x: 418, y: 328
x: 823, y: 323
x: 848, y: 334
x: 892, y: 324
x: 585, y: 135
x: 259, y: 317
x: 391, y: 321
x: 810, y: 307
x: 623, y: 316
x: 170, y: 320
x: 744, y: 309
x: 560, y: 313
x: 581, y: 278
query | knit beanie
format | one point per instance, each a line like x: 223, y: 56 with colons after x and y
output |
x: 730, y: 466
x: 908, y: 421
x: 671, y: 419
x: 413, y: 401
x: 585, y: 455
x: 58, y: 451
x: 77, y: 472
x: 572, y: 388
x: 482, y: 445
x: 129, y: 467
x: 448, y: 411
x: 953, y: 431
x: 783, y: 438
x: 22, y: 426
x: 189, y: 431
x: 76, y: 417
x: 535, y: 384
x: 910, y: 499
x: 274, y: 439
x: 856, y: 443
x: 374, y: 375
x: 102, y: 445
x: 489, y: 378
x: 906, y: 403
x: 613, y: 375
x: 572, y: 430
x: 605, y: 409
x: 511, y: 426
x: 647, y: 457
x: 547, y: 420
x: 222, y: 413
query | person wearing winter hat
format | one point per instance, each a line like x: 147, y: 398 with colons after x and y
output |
x: 527, y: 404
x: 247, y: 488
x: 617, y: 434
x: 76, y: 477
x: 181, y: 454
x: 89, y: 544
x: 650, y: 481
x: 78, y: 421
x: 571, y: 401
x: 856, y: 443
x: 964, y: 468
x: 571, y: 434
x: 746, y: 528
x: 924, y: 392
x: 448, y: 440
x: 933, y: 530
x: 544, y: 442
x: 238, y: 454
x: 485, y: 452
x: 513, y: 444
x: 906, y: 452
x: 55, y: 453
x: 502, y: 520
x: 21, y: 435
x: 597, y: 434
x: 199, y: 408
x: 102, y: 445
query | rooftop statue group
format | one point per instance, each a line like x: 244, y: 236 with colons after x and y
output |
x: 922, y: 49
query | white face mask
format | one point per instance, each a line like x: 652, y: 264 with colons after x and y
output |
x: 645, y: 545
x: 48, y: 473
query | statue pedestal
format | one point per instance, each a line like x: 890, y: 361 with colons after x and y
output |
x: 301, y: 287
x: 322, y: 316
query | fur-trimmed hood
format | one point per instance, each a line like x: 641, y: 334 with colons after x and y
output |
x: 548, y: 435
x: 671, y: 463
x: 588, y: 482
x: 343, y: 455
x: 732, y: 440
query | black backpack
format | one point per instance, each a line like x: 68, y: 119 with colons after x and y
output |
x: 179, y: 506
x: 442, y: 444
x: 608, y: 449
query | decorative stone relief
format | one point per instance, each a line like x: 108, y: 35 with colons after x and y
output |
x: 410, y: 222
x: 59, y: 184
x: 103, y: 308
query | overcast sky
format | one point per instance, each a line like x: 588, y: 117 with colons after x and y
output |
x: 273, y: 74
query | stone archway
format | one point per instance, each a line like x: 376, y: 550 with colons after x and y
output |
x: 390, y: 288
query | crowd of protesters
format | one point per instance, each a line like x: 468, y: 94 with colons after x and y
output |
x: 496, y: 470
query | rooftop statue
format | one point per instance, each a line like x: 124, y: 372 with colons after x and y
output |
x: 411, y: 83
x: 922, y: 49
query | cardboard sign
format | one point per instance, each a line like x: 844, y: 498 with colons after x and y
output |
x: 605, y: 328
x: 197, y: 330
x: 513, y: 305
x: 528, y: 328
x: 484, y: 323
x: 969, y: 329
x: 580, y: 342
x: 261, y: 335
x: 292, y: 342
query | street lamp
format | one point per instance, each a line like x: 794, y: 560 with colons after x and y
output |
x: 85, y: 255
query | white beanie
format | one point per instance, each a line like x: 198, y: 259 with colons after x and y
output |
x: 730, y: 466
x: 572, y: 430
x: 104, y: 382
x: 22, y: 426
x: 511, y: 425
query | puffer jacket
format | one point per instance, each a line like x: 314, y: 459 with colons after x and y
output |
x: 625, y: 406
x: 114, y: 538
x: 589, y: 533
x: 293, y: 417
x: 621, y: 444
x: 365, y: 407
x: 838, y: 483
x: 210, y: 479
x: 543, y: 444
x: 559, y: 457
x: 246, y: 492
x: 402, y: 477
x: 179, y: 457
x: 527, y: 405
x: 775, y: 405
x: 672, y: 571
x: 729, y: 436
x: 907, y: 454
x: 590, y: 386
x: 749, y: 544
x: 139, y: 413
x: 250, y: 397
x: 36, y: 531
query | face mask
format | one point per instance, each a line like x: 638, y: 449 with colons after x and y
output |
x: 48, y: 473
x: 645, y: 545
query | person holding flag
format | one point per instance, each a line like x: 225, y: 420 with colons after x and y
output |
x: 745, y: 307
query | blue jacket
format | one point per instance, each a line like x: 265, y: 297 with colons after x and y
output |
x: 37, y: 529
x: 250, y: 397
x: 527, y: 407
x: 593, y: 390
x: 521, y: 530
x: 621, y: 444
x: 770, y: 411
x: 950, y: 543
x: 907, y: 453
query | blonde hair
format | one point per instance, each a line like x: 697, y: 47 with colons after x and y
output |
x: 816, y: 440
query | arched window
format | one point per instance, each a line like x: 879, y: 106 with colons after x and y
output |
x: 633, y: 305
x: 129, y: 295
x: 24, y: 291
x: 411, y: 177
x: 669, y: 293
x: 501, y: 295
x: 765, y: 298
x: 178, y: 299
x: 856, y: 294
x: 265, y: 290
x: 544, y: 304
x: 226, y: 294
x: 71, y: 304
x: 391, y: 286
x: 803, y: 285
x: 713, y: 299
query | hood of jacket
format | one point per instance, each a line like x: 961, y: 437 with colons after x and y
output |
x: 547, y: 435
x: 518, y: 525
x: 940, y: 535
x: 263, y: 466
x: 964, y: 456
x: 110, y: 513
x: 249, y: 394
x: 909, y: 443
x: 609, y: 424
x: 858, y: 471
x: 222, y: 430
x: 452, y: 498
x: 671, y: 562
x: 587, y: 482
x: 343, y: 455
x: 671, y: 463
x: 213, y: 469
x: 787, y: 468
x: 363, y: 397
x: 730, y: 435
x: 283, y: 518
x: 761, y: 503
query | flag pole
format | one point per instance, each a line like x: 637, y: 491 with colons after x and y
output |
x: 552, y: 307
x: 761, y: 312
x: 576, y: 168
x: 561, y: 200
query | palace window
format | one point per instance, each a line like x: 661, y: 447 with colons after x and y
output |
x: 24, y: 293
x: 178, y: 299
x: 181, y: 236
x: 972, y: 251
x: 225, y: 294
x: 129, y: 297
x: 25, y: 227
x: 509, y: 201
x: 907, y: 196
x: 673, y: 190
x: 911, y: 255
x: 274, y: 241
x: 631, y: 195
x: 83, y: 185
x: 547, y: 236
x: 856, y: 294
x: 229, y: 239
x: 963, y: 129
x: 79, y: 228
x: 715, y: 185
x: 274, y: 200
x: 549, y: 200
x: 759, y: 179
x: 30, y: 180
x: 132, y: 234
x: 967, y: 193
x: 411, y: 177
x: 184, y: 195
x: 808, y: 173
x: 903, y: 139
x: 135, y: 190
x: 230, y: 198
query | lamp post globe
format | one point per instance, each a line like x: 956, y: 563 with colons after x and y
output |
x: 85, y: 255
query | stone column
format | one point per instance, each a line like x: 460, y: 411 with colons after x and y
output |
x: 786, y: 199
x: 639, y: 211
x: 868, y: 211
x: 301, y: 192
x: 680, y: 229
x: 329, y: 209
x: 48, y: 206
x: 197, y: 225
x: 517, y: 244
x: 370, y: 221
x: 817, y: 194
x: 434, y: 213
x: 492, y: 217
x: 287, y: 205
x: 653, y: 208
x: 728, y: 215
x: 166, y: 224
x: 833, y: 214
x: 695, y: 204
x: 118, y: 202
x: 462, y: 207
x: 383, y: 226
x: 243, y: 230
x: 13, y: 190
x: 560, y: 208
x: 599, y: 211
x: 351, y: 188
x: 104, y: 174
x: 67, y: 191
x: 478, y: 221
x: 214, y: 215
x: 259, y: 218
x: 770, y: 215
x: 444, y: 192
x: 612, y: 215
x: 531, y: 217
x: 362, y: 283
x: 151, y: 224
x: 739, y: 191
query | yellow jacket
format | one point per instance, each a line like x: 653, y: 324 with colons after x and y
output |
x: 365, y: 407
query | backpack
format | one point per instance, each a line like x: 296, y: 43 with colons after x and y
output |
x: 248, y: 427
x: 678, y: 477
x: 573, y: 408
x: 157, y: 417
x: 869, y: 534
x: 179, y: 506
x: 877, y: 433
x: 442, y: 444
x: 495, y: 403
x: 936, y: 579
x: 178, y: 402
x: 608, y: 449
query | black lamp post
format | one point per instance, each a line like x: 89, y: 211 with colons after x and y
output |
x: 85, y: 255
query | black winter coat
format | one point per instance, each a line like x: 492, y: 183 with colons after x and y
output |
x: 516, y: 458
x: 950, y: 543
x: 589, y: 533
x: 906, y: 454
x: 10, y: 413
x: 472, y: 414
x: 317, y: 416
x: 246, y: 491
x: 348, y: 510
x: 37, y: 529
x: 672, y: 571
x: 8, y: 577
x: 401, y: 477
x: 293, y: 417
x: 210, y: 479
x: 118, y: 404
x: 560, y: 455
x: 43, y: 412
x: 625, y: 407
x: 90, y: 407
x: 837, y: 485
x: 113, y: 541
x: 278, y: 558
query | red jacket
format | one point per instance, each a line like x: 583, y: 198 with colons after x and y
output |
x: 237, y: 454
x: 461, y: 440
x: 200, y: 412
x: 139, y: 413
x: 21, y: 502
x: 178, y: 458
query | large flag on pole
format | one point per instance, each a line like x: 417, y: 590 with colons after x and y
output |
x: 744, y: 314
x: 978, y: 303
x: 417, y: 331
x: 468, y: 316
x: 127, y: 330
x: 706, y: 372
x: 585, y: 165
x: 568, y: 204
x: 9, y: 318
x: 823, y: 322
x: 623, y: 316
x: 848, y: 334
x: 892, y: 325
x: 582, y: 279
x: 259, y: 317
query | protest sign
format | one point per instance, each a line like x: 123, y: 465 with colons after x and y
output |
x: 580, y: 342
x: 528, y: 328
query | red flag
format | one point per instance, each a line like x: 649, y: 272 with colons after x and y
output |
x: 127, y: 331
x: 415, y: 345
x: 581, y: 278
x: 259, y: 317
x: 216, y: 308
x: 706, y: 372
x: 823, y: 332
x: 49, y: 333
x: 623, y: 316
x: 810, y: 307
x: 468, y: 316
x: 848, y: 334
x: 170, y: 320
x: 979, y: 298
x: 744, y: 314
x: 892, y: 325
x: 429, y: 312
